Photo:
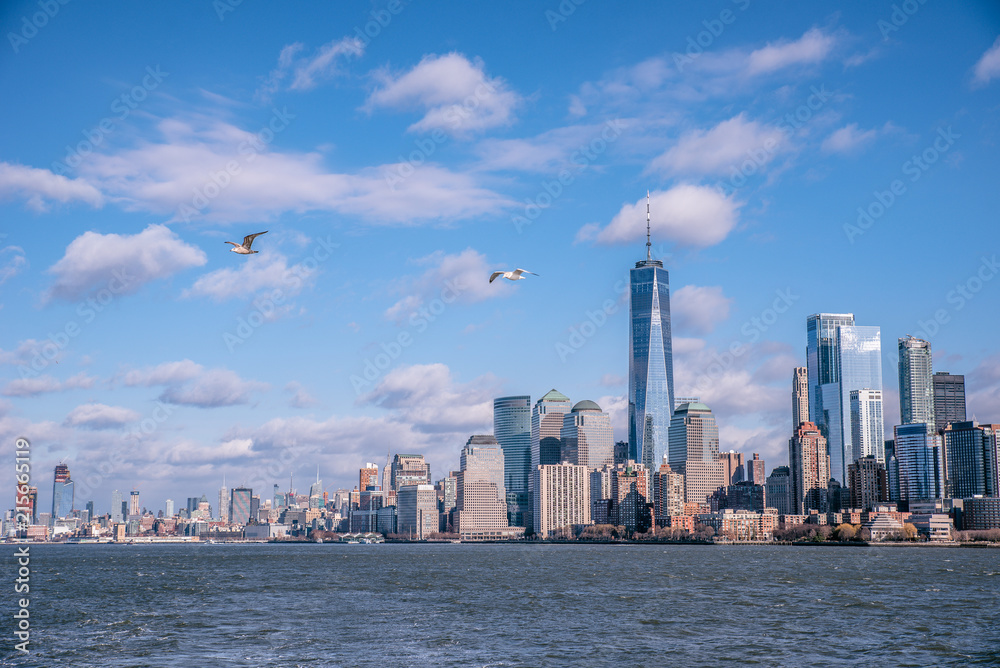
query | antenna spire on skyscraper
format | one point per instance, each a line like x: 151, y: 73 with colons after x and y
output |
x: 648, y: 244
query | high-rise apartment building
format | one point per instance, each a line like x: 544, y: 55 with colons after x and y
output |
x: 633, y: 498
x: 62, y: 492
x: 239, y: 505
x: 868, y: 481
x: 920, y: 460
x: 949, y: 399
x: 694, y: 451
x: 482, y: 506
x: 732, y: 467
x: 116, y: 507
x: 840, y: 357
x: 668, y: 492
x: 134, y: 509
x: 368, y: 476
x: 586, y: 438
x: 800, y: 396
x: 972, y: 459
x: 809, y: 466
x: 777, y: 490
x: 650, y: 361
x: 224, y: 502
x: 409, y: 470
x: 756, y: 473
x: 512, y: 429
x: 417, y: 513
x: 867, y: 425
x: 546, y: 427
x: 168, y: 508
x: 916, y: 387
x: 562, y: 498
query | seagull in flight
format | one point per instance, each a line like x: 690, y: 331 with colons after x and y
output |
x: 247, y: 242
x: 511, y: 275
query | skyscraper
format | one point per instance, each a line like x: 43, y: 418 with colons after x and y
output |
x: 840, y: 357
x: 868, y: 481
x: 563, y: 497
x: 409, y: 470
x: 116, y: 506
x: 62, y: 492
x: 694, y: 451
x: 972, y: 466
x: 368, y: 475
x: 512, y: 429
x: 921, y: 464
x: 482, y: 507
x: 867, y: 426
x: 239, y: 505
x: 586, y: 438
x: 417, y: 514
x: 133, y: 504
x: 168, y: 509
x: 756, y: 473
x: 916, y: 387
x: 224, y: 501
x: 650, y: 360
x: 776, y: 491
x: 800, y: 396
x: 733, y: 470
x: 809, y: 466
x: 949, y: 399
x: 546, y: 427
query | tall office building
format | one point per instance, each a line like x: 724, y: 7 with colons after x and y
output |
x: 482, y: 503
x: 809, y: 472
x: 694, y: 451
x: 416, y: 511
x: 224, y: 501
x: 62, y: 492
x: 409, y: 470
x: 116, y: 506
x: 777, y: 490
x: 756, y: 473
x: 562, y: 497
x: 916, y: 387
x: 512, y: 429
x: 840, y: 357
x: 972, y: 459
x: 546, y: 427
x: 650, y: 360
x: 133, y: 504
x: 586, y: 438
x: 239, y: 505
x: 368, y: 476
x: 800, y: 396
x: 630, y: 490
x: 732, y: 467
x: 868, y: 481
x: 315, y: 493
x: 920, y: 460
x: 867, y: 426
x: 949, y: 399
x: 168, y: 509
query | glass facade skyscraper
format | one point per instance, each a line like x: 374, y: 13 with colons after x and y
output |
x: 949, y: 399
x: 512, y: 429
x: 650, y: 363
x: 921, y: 462
x: 546, y: 428
x: 62, y: 492
x: 860, y: 369
x: 586, y: 436
x: 916, y: 387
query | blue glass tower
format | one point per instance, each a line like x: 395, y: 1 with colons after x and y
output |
x: 512, y: 429
x: 650, y: 360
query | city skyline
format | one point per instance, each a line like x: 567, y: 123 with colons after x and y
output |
x: 366, y: 322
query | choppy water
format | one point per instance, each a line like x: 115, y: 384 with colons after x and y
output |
x: 506, y: 605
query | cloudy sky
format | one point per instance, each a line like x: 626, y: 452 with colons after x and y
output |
x: 798, y: 161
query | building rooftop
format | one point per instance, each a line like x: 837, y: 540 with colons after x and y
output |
x: 586, y: 405
x: 554, y: 395
x: 692, y: 406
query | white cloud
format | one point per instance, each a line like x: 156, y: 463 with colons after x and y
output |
x: 848, y: 139
x: 121, y: 263
x: 100, y: 416
x: 308, y: 72
x: 27, y: 387
x: 687, y: 215
x: 813, y: 47
x: 212, y: 389
x: 12, y: 262
x: 716, y: 150
x: 265, y: 271
x: 698, y: 309
x: 300, y: 397
x: 40, y: 187
x: 457, y: 95
x: 168, y: 373
x: 462, y: 277
x: 616, y: 406
x: 186, y: 452
x: 171, y: 177
x: 988, y: 66
x: 561, y: 148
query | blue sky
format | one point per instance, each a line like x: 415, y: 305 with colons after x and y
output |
x: 798, y: 161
